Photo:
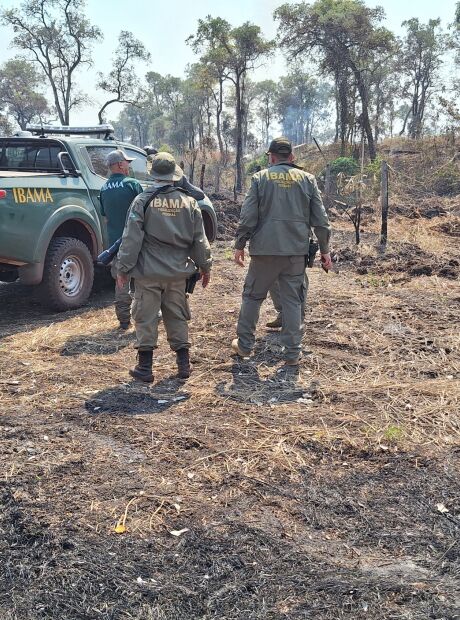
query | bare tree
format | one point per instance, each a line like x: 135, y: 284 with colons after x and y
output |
x: 122, y: 80
x: 56, y: 35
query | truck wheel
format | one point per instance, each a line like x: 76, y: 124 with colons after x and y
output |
x: 209, y: 228
x: 68, y: 274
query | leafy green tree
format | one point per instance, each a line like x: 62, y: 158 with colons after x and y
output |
x: 346, y: 38
x: 214, y: 61
x: 121, y: 81
x: 19, y: 92
x: 200, y: 92
x: 134, y: 123
x: 166, y: 93
x: 238, y: 50
x: 385, y: 91
x: 421, y: 58
x: 58, y: 37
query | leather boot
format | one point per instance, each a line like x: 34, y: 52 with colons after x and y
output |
x: 275, y: 324
x: 183, y: 364
x: 143, y: 369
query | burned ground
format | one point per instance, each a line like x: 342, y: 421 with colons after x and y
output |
x: 250, y: 491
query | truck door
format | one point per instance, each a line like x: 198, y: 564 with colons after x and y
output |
x: 33, y: 189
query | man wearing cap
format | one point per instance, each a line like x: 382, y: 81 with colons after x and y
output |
x: 281, y: 207
x: 163, y: 244
x: 116, y: 196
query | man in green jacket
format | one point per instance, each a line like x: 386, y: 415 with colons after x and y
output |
x: 116, y: 196
x: 163, y: 244
x: 281, y: 207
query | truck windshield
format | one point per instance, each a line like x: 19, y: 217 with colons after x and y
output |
x: 30, y: 155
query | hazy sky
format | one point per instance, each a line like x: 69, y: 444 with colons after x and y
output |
x: 163, y: 28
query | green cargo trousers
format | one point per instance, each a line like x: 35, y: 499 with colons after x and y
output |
x: 123, y: 302
x: 123, y: 298
x: 263, y: 272
x: 149, y: 298
x: 275, y: 295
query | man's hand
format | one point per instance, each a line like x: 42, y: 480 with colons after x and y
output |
x: 239, y: 257
x: 122, y: 279
x: 326, y: 262
x: 205, y: 278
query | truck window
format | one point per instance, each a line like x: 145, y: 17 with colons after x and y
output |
x: 138, y: 166
x: 30, y: 156
x: 98, y: 157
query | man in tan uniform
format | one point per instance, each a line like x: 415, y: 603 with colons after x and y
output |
x: 281, y: 207
x: 163, y: 244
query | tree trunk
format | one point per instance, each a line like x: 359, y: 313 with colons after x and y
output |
x: 414, y: 122
x: 239, y: 136
x: 384, y: 199
x: 337, y: 113
x: 405, y: 123
x: 343, y: 103
x: 377, y: 116
x: 203, y: 168
x: 365, y: 115
x: 219, y: 108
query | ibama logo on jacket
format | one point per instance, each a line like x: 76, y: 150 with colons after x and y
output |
x: 284, y: 179
x: 169, y: 207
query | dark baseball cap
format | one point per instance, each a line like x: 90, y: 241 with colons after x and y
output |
x: 164, y: 167
x: 280, y: 146
x: 114, y: 157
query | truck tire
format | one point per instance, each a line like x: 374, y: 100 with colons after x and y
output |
x: 68, y: 274
x: 209, y: 226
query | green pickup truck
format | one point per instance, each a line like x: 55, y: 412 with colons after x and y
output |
x: 51, y: 227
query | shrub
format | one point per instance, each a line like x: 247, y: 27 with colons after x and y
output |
x: 374, y: 168
x: 447, y: 181
x: 257, y: 164
x: 347, y: 165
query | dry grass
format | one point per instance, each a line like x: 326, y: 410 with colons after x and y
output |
x: 380, y: 372
x: 338, y: 461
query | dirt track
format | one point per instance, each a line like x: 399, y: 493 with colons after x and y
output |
x: 332, y: 493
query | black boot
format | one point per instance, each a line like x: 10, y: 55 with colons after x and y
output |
x: 143, y: 369
x: 183, y: 364
x: 276, y: 323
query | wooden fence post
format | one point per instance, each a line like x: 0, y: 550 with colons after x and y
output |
x: 384, y: 201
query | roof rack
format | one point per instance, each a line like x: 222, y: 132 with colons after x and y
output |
x: 106, y: 130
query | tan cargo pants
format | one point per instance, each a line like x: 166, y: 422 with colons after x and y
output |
x: 263, y: 272
x: 149, y: 298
